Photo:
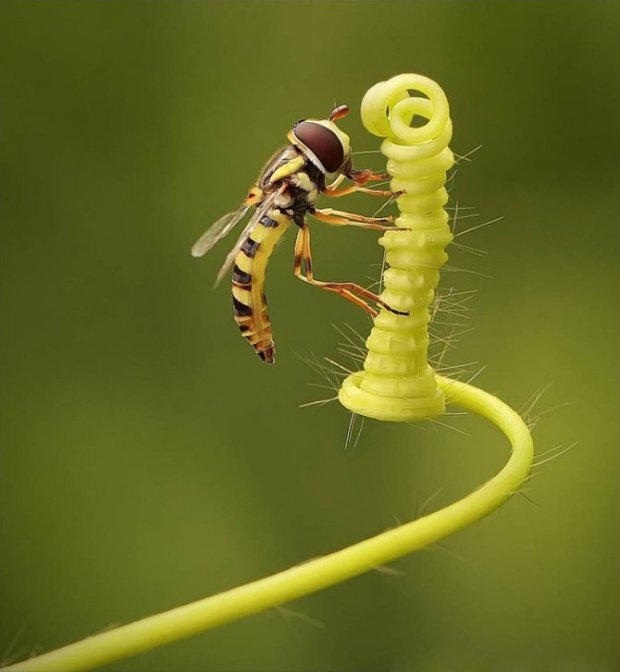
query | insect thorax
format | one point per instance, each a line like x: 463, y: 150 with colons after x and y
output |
x: 303, y: 189
x: 302, y: 186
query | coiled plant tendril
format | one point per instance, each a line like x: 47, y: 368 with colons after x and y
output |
x: 397, y: 382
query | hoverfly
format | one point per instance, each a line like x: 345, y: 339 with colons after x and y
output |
x: 284, y: 193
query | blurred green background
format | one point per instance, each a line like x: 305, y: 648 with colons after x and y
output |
x: 149, y: 458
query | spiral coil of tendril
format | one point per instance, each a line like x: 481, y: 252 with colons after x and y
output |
x: 397, y: 382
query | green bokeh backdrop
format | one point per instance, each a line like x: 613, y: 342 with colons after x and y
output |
x: 149, y: 458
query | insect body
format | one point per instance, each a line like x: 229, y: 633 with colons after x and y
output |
x: 284, y: 194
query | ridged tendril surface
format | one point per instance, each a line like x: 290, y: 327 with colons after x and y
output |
x: 397, y: 382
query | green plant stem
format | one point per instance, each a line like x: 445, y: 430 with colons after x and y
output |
x: 191, y: 619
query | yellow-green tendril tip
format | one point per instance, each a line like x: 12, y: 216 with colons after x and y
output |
x: 397, y: 382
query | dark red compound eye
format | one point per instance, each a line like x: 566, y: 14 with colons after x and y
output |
x: 322, y: 142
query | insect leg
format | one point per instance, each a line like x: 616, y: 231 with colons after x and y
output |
x: 340, y: 218
x: 336, y: 182
x: 303, y: 260
x: 335, y: 193
x: 348, y: 290
x: 360, y: 177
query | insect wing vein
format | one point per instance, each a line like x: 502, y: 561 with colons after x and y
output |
x: 222, y: 227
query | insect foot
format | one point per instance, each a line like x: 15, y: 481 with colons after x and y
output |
x: 406, y: 313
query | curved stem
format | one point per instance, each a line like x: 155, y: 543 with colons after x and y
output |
x: 317, y: 574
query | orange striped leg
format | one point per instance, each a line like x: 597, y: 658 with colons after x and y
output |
x: 341, y: 218
x: 349, y: 290
x: 360, y: 177
x: 335, y: 193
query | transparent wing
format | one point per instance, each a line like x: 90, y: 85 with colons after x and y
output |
x: 222, y: 227
x: 256, y: 217
x: 235, y: 251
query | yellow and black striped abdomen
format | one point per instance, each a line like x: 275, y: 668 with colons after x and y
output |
x: 249, y: 302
